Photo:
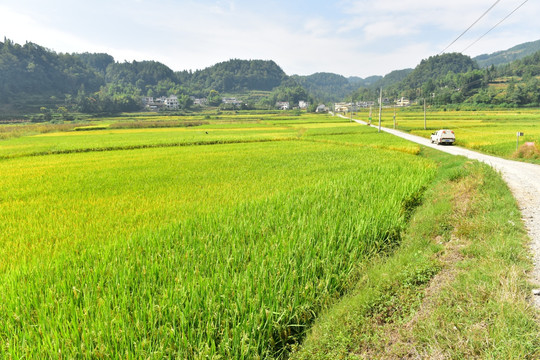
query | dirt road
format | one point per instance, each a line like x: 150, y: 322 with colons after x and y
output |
x: 523, y: 179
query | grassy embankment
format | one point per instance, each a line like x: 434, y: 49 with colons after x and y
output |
x: 455, y: 289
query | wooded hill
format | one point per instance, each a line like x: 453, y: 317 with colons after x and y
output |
x: 454, y: 79
x: 32, y: 76
x: 507, y: 56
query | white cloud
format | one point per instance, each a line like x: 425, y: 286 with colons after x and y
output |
x: 387, y: 29
x: 352, y: 37
x: 22, y: 28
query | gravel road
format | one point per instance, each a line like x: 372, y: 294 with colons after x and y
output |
x: 523, y: 179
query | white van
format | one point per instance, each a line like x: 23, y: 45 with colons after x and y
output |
x: 444, y: 136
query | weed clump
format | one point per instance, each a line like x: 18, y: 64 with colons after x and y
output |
x: 529, y: 150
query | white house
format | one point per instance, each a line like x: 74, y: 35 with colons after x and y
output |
x: 282, y: 105
x: 200, y: 102
x: 341, y: 107
x: 233, y: 101
x: 321, y: 108
x: 147, y: 100
x: 171, y: 102
x: 403, y: 102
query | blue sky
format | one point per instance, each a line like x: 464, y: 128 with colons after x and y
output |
x: 348, y: 37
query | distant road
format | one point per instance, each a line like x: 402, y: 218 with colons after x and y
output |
x: 523, y: 179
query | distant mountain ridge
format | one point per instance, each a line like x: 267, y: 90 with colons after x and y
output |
x: 507, y: 56
x: 32, y: 73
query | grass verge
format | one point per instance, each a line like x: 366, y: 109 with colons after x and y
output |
x: 456, y: 288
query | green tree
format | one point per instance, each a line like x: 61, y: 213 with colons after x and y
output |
x: 185, y: 102
x: 214, y: 98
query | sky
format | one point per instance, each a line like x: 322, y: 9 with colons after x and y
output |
x: 348, y: 37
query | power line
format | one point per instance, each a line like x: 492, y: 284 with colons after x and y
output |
x: 499, y: 23
x: 469, y: 28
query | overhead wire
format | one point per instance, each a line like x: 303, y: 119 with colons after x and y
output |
x: 469, y: 28
x: 487, y: 32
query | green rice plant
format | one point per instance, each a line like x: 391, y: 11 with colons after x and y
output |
x: 224, y: 251
x: 111, y: 139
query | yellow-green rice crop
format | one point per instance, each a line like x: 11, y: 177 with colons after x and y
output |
x: 489, y: 131
x: 224, y: 250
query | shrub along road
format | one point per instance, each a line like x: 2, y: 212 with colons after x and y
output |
x: 523, y: 180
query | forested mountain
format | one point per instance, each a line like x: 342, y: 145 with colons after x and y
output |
x: 98, y: 62
x: 507, y: 56
x: 392, y: 78
x: 329, y: 87
x: 140, y: 74
x: 239, y: 75
x: 31, y: 69
x: 526, y: 67
x: 369, y: 81
x: 433, y: 69
x: 326, y: 86
x: 32, y: 76
x: 430, y: 74
x: 369, y: 90
x: 457, y: 79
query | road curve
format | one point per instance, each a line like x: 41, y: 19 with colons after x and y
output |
x: 523, y: 179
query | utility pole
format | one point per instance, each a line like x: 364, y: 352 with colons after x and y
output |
x: 394, y: 115
x: 517, y: 142
x: 425, y: 127
x: 380, y: 109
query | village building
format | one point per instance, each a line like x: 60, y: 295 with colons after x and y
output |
x: 232, y: 101
x: 342, y: 107
x: 199, y: 102
x: 303, y: 104
x: 365, y: 104
x: 155, y: 104
x: 282, y: 105
x: 321, y: 108
x: 171, y: 103
x: 403, y: 102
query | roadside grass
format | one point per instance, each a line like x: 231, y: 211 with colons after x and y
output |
x: 456, y: 288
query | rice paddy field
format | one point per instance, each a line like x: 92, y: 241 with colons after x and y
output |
x: 223, y: 239
x: 489, y: 131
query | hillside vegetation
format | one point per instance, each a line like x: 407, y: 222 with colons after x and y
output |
x: 455, y: 79
x: 33, y: 76
x: 35, y: 79
x: 507, y: 56
x: 328, y: 86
